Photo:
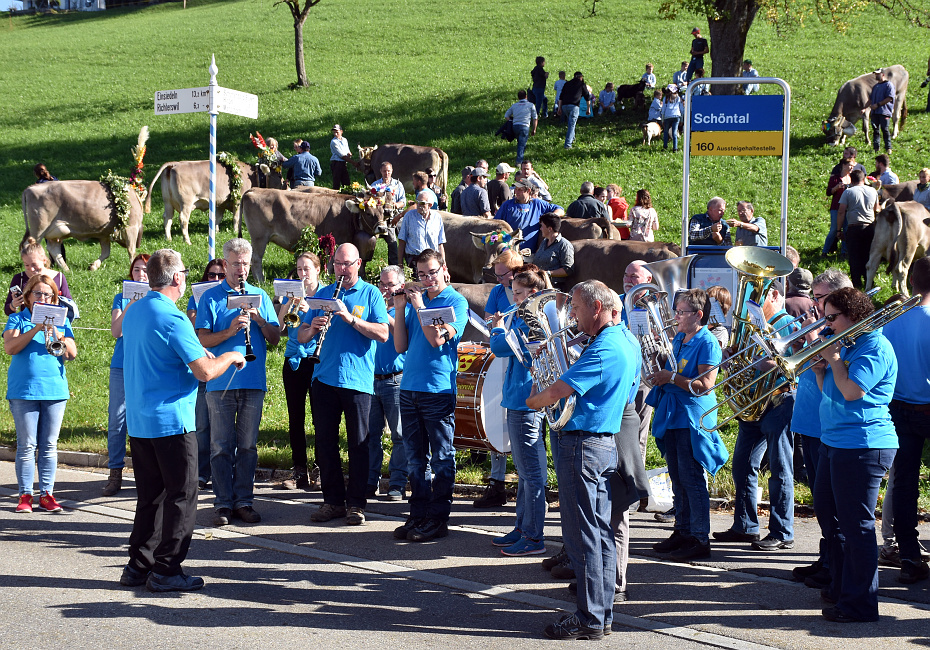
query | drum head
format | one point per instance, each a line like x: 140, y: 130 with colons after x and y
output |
x: 493, y: 415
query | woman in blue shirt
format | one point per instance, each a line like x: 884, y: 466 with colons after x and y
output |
x: 37, y: 389
x: 858, y: 444
x: 671, y: 116
x: 524, y: 426
x: 116, y: 410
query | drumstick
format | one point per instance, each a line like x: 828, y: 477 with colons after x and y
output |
x: 235, y: 370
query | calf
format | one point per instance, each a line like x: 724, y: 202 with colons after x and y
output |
x: 650, y: 130
x: 632, y: 91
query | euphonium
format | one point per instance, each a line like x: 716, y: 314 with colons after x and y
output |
x: 52, y: 345
x: 546, y: 313
x: 249, y: 354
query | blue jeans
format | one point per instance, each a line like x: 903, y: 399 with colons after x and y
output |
x: 844, y: 500
x: 771, y: 431
x: 571, y: 115
x: 691, y: 499
x: 830, y: 241
x: 696, y: 63
x: 202, y: 423
x: 529, y: 457
x: 38, y: 422
x: 498, y: 466
x: 541, y: 103
x: 428, y: 421
x: 385, y: 405
x: 116, y: 421
x: 234, y: 421
x: 670, y: 126
x: 585, y: 462
x: 523, y: 133
x: 880, y: 127
x: 913, y: 433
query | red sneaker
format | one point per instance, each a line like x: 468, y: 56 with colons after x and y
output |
x: 25, y: 503
x: 47, y: 502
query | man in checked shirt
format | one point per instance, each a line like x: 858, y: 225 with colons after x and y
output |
x: 709, y: 228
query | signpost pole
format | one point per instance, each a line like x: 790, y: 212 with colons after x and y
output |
x: 211, y: 232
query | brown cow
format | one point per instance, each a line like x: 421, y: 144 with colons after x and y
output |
x: 594, y: 228
x: 902, y: 233
x: 466, y: 253
x: 79, y: 209
x: 852, y: 104
x: 898, y: 191
x: 406, y: 159
x: 606, y: 260
x: 477, y: 297
x: 280, y: 217
x: 185, y: 186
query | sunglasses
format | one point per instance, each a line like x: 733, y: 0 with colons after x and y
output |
x: 216, y: 276
x: 830, y: 317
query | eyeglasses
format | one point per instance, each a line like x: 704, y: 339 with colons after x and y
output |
x: 830, y: 317
x: 429, y: 275
x: 679, y: 312
x: 185, y: 271
x: 42, y: 294
x: 501, y: 277
x: 216, y: 276
x: 241, y: 265
x: 344, y: 264
x: 820, y: 297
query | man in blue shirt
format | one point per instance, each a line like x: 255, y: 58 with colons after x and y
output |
x: 709, y: 228
x: 305, y: 165
x: 523, y: 211
x: 235, y: 399
x: 163, y: 361
x: 427, y: 396
x: 343, y: 383
x: 340, y: 155
x: 881, y: 102
x: 420, y: 229
x: 601, y: 380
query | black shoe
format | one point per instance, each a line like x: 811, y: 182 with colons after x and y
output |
x: 913, y: 571
x: 731, y: 535
x: 494, y: 496
x: 247, y: 514
x: 401, y: 532
x: 826, y: 595
x: 301, y: 480
x: 563, y: 570
x: 819, y: 580
x: 202, y: 484
x: 667, y: 517
x: 673, y: 543
x: 133, y: 577
x: 693, y: 550
x: 643, y: 503
x: 371, y: 492
x: 180, y: 582
x: 802, y: 572
x: 836, y: 615
x: 571, y: 628
x: 222, y: 516
x: 551, y: 562
x: 772, y: 544
x: 428, y: 529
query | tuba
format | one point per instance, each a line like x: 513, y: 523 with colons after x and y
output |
x: 546, y: 313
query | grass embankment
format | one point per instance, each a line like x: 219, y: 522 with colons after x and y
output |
x: 83, y: 85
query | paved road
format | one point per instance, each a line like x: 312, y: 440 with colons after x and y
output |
x: 286, y: 582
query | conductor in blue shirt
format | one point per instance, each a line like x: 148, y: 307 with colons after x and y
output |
x: 163, y: 361
x: 601, y: 380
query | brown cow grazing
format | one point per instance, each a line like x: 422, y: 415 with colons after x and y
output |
x: 852, y: 104
x: 593, y: 228
x: 406, y: 159
x: 79, y: 209
x: 902, y: 234
x: 606, y: 260
x: 468, y: 246
x: 185, y: 186
x: 280, y: 217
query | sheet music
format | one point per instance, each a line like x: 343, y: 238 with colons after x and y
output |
x: 514, y: 343
x: 199, y: 287
x: 237, y: 301
x: 478, y: 323
x: 134, y: 290
x: 639, y: 322
x: 436, y: 315
x: 326, y: 304
x: 289, y: 288
x: 716, y: 312
x: 754, y: 314
x: 46, y: 314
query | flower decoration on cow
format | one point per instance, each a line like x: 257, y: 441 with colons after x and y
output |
x: 137, y: 176
x: 376, y: 200
x: 267, y: 155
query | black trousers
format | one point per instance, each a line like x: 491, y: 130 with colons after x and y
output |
x: 858, y: 244
x: 340, y: 170
x: 331, y: 403
x: 166, y: 502
x: 296, y: 389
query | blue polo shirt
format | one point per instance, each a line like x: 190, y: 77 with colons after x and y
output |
x: 806, y: 416
x: 348, y: 356
x: 525, y: 216
x: 602, y: 378
x: 864, y: 423
x: 909, y: 336
x: 387, y: 360
x: 161, y: 390
x: 433, y: 370
x: 213, y: 315
x: 498, y: 300
x: 295, y: 352
x: 117, y: 360
x: 517, y: 380
x: 34, y: 373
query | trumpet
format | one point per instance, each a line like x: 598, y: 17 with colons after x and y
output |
x: 315, y: 357
x: 249, y: 354
x: 53, y: 345
x: 291, y: 319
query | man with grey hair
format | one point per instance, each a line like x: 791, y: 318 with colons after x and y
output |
x: 709, y: 228
x: 602, y: 380
x: 750, y: 229
x: 164, y: 360
x: 235, y: 399
x: 421, y: 228
x: 586, y: 206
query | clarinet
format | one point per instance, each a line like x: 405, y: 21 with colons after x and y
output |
x: 249, y: 354
x: 315, y: 357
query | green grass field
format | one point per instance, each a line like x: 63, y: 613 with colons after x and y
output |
x: 77, y: 88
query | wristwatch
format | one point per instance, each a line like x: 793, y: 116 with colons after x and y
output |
x: 446, y: 335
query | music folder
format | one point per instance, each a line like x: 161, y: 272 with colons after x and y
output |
x: 46, y: 314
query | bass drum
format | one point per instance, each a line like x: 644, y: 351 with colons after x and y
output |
x: 480, y: 420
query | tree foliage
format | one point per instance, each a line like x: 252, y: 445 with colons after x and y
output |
x: 299, y: 11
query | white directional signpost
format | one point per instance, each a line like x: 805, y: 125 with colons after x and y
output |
x: 213, y: 99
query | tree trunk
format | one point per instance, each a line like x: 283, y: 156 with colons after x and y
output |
x: 728, y: 39
x: 299, y: 53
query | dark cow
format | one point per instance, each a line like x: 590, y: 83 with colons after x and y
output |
x: 606, y: 260
x: 594, y: 228
x: 280, y: 217
x: 406, y: 159
x: 852, y: 104
x: 902, y: 234
x: 477, y: 297
x: 898, y: 191
x: 79, y: 209
x: 185, y: 186
x: 466, y: 253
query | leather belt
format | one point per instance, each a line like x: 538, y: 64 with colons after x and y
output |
x: 389, y: 376
x: 907, y: 406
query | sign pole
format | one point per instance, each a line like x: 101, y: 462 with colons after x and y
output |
x: 211, y: 232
